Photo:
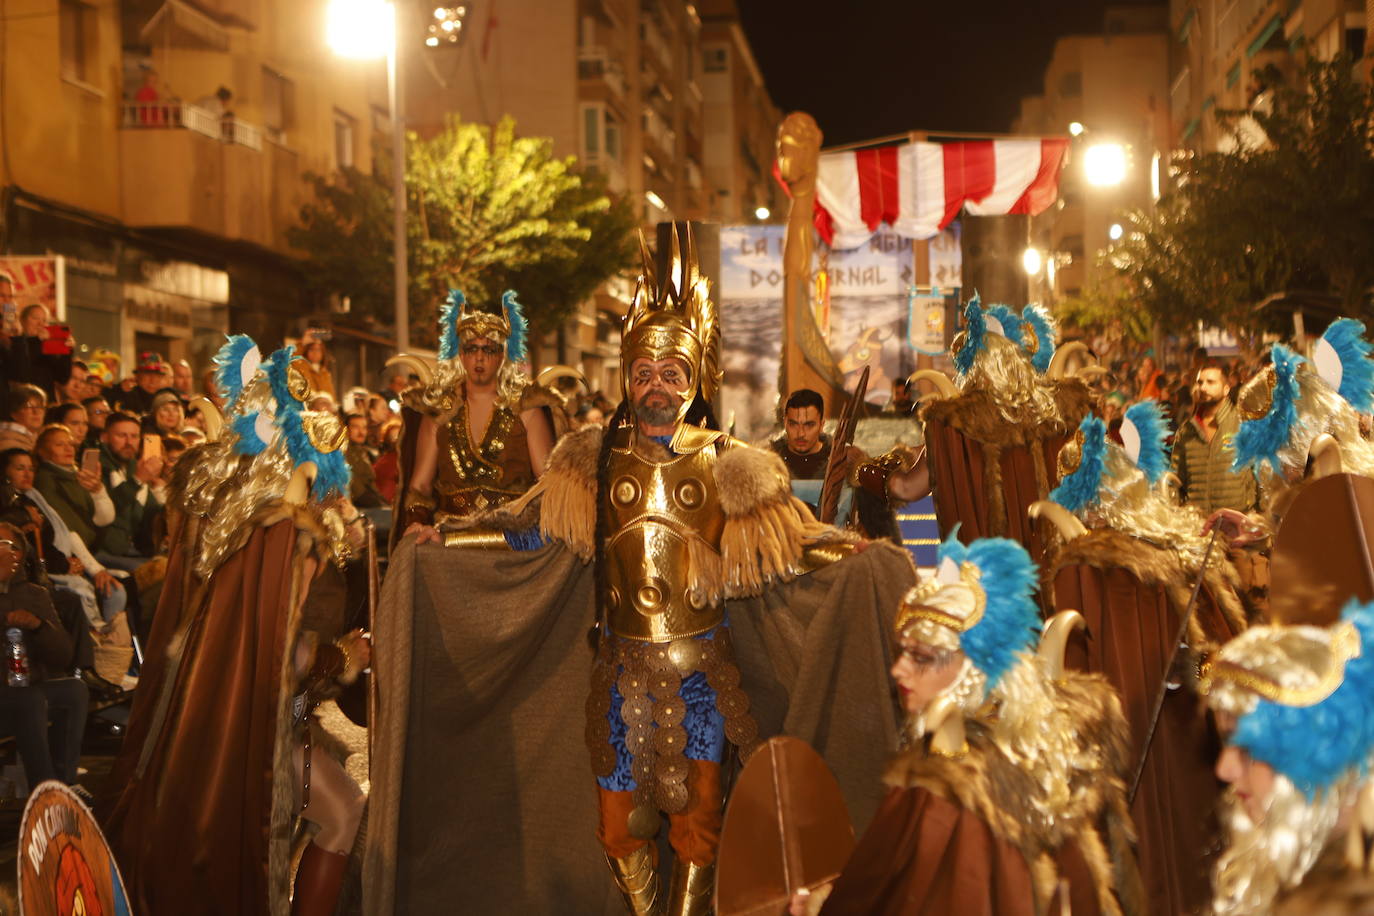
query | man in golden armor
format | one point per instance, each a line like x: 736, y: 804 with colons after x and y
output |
x: 484, y: 431
x: 684, y: 517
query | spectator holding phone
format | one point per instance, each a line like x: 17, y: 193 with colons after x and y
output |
x: 42, y: 354
x: 70, y: 563
x: 47, y: 752
x: 76, y: 493
x: 134, y: 483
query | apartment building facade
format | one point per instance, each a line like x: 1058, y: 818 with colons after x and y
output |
x: 160, y: 148
x: 1104, y: 90
x: 660, y: 96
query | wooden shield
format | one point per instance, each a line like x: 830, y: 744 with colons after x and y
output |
x: 786, y: 828
x: 65, y: 866
x: 1322, y: 551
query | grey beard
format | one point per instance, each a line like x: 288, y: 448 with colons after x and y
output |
x: 655, y: 416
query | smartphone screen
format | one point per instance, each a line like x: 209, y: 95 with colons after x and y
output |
x: 90, y: 460
x: 152, y: 446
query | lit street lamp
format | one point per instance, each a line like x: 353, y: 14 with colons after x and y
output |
x: 1032, y: 261
x: 367, y: 29
x: 1104, y: 164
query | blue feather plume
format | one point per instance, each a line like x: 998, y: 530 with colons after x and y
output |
x: 449, y: 313
x: 1258, y: 441
x: 1346, y: 337
x: 247, y: 441
x: 1011, y: 322
x: 1148, y: 419
x: 229, y: 380
x: 1039, y: 323
x: 1011, y: 618
x: 1079, y: 490
x: 975, y: 329
x: 1316, y: 745
x: 519, y: 327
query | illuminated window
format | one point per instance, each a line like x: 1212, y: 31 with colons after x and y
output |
x: 345, y: 129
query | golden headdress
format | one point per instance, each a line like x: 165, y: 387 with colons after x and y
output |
x: 672, y: 315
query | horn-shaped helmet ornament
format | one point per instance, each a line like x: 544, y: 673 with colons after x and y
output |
x: 672, y: 316
x: 459, y: 322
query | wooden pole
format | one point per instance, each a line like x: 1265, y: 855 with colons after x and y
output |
x: 806, y: 358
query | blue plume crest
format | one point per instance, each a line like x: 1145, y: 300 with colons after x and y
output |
x: 1346, y: 337
x: 1316, y: 745
x: 975, y: 329
x: 1079, y: 490
x: 1011, y: 619
x: 247, y: 441
x: 449, y: 314
x: 1041, y: 324
x: 1148, y: 419
x: 1258, y: 441
x: 519, y: 327
x: 229, y: 377
x: 1011, y: 322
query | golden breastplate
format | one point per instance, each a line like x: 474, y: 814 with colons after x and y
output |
x: 654, y: 508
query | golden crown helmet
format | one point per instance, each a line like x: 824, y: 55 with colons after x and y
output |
x: 672, y: 316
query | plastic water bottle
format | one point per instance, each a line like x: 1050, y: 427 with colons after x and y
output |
x: 16, y: 658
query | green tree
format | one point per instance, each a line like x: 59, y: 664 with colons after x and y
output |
x: 486, y: 210
x: 1290, y: 209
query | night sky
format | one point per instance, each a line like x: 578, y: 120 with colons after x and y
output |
x: 868, y: 68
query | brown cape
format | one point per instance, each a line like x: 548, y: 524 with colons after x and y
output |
x: 197, y: 816
x: 1131, y: 594
x: 483, y: 800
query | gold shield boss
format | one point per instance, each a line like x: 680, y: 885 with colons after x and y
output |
x: 653, y: 508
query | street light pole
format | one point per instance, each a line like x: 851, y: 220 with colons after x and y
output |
x: 368, y: 29
x: 400, y: 273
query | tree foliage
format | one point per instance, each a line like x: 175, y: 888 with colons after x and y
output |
x: 1291, y: 206
x: 487, y: 210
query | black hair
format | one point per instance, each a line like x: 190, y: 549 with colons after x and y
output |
x: 9, y: 455
x: 120, y: 416
x: 88, y: 402
x: 805, y: 397
x: 58, y: 411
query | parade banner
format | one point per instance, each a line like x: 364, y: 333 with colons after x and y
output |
x: 947, y: 258
x: 868, y: 312
x: 38, y: 279
x: 750, y: 298
x: 865, y: 324
x: 65, y: 866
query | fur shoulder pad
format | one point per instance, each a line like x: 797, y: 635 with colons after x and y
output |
x: 767, y: 529
x: 568, y: 487
x: 748, y: 478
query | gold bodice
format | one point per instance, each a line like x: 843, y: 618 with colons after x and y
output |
x: 654, y: 509
x: 474, y: 476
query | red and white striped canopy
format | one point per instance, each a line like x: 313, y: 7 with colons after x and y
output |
x: 919, y: 188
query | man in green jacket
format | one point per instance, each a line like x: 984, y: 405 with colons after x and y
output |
x: 1202, y: 449
x: 135, y: 488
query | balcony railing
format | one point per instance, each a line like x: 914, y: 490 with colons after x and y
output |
x: 173, y: 115
x: 596, y: 63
